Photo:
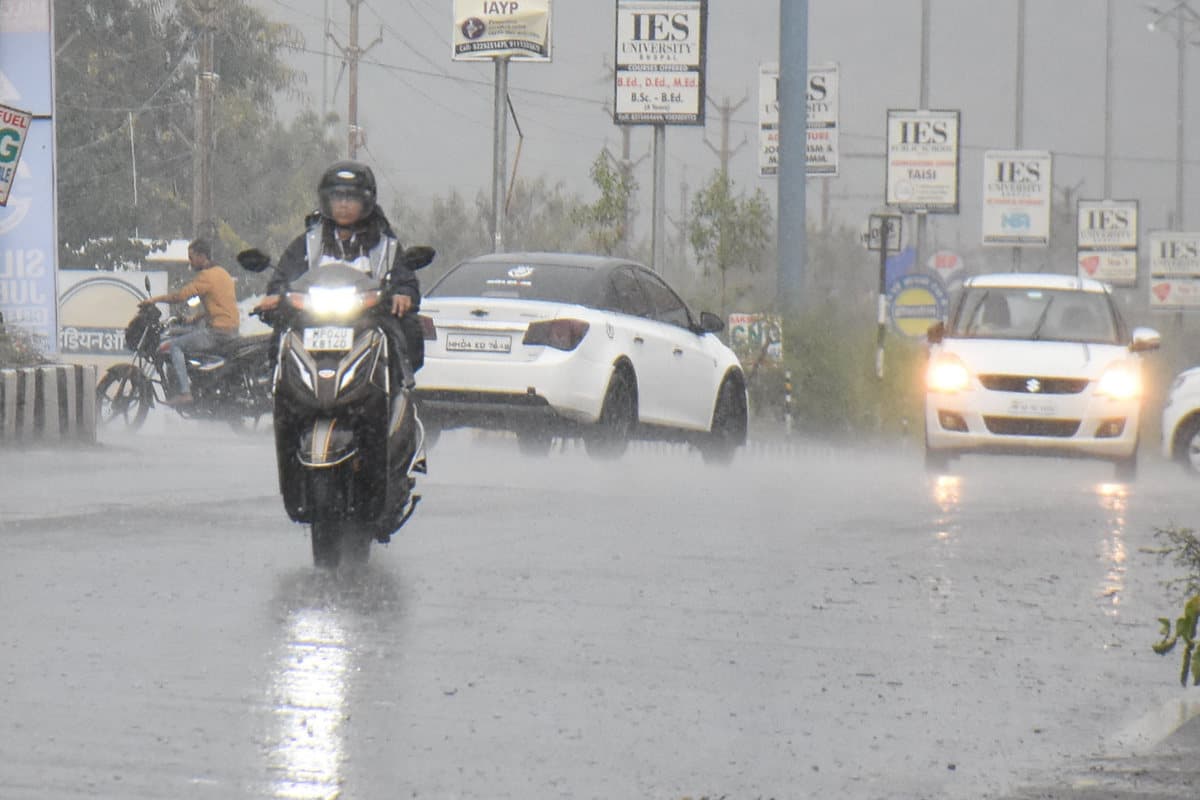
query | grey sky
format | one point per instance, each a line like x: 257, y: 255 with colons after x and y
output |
x: 428, y: 119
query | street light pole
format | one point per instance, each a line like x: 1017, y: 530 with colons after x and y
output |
x: 1184, y: 16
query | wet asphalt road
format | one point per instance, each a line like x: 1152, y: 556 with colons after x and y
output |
x: 827, y: 623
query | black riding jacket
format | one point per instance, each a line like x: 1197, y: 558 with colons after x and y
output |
x: 366, y: 238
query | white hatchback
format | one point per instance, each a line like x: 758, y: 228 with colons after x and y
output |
x: 558, y: 344
x: 1181, y: 421
x: 1035, y: 363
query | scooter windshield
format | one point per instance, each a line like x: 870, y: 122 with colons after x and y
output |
x: 335, y: 275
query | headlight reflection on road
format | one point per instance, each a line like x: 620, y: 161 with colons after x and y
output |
x: 1114, y: 499
x: 947, y: 493
x: 310, y: 692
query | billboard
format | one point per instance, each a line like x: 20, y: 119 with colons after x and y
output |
x: 486, y: 29
x: 922, y: 161
x: 821, y: 150
x: 1174, y: 270
x: 14, y: 129
x: 1016, y: 197
x: 1107, y: 241
x: 660, y: 62
x: 28, y: 228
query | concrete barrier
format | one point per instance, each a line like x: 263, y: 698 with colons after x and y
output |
x: 52, y: 403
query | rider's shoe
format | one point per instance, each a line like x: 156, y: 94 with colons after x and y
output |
x: 180, y: 400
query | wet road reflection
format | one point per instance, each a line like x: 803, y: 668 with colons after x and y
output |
x: 1114, y: 500
x: 947, y: 495
x: 323, y: 615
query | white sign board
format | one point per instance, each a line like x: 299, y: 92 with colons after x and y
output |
x: 14, y: 127
x: 821, y: 151
x: 1174, y: 270
x: 486, y: 29
x: 660, y: 62
x: 1107, y: 241
x: 1016, y: 197
x: 922, y: 161
x: 768, y: 120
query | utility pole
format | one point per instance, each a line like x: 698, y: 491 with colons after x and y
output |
x: 203, y: 223
x: 1019, y: 114
x: 793, y: 168
x: 1185, y: 18
x: 351, y: 54
x: 726, y: 111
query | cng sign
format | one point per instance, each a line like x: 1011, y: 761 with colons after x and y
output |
x: 914, y: 303
x: 14, y: 128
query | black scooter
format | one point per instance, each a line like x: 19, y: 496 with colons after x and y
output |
x: 348, y: 441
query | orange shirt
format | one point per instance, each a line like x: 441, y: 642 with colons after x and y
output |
x: 214, y: 286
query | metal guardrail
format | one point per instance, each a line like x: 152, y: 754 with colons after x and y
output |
x: 51, y: 403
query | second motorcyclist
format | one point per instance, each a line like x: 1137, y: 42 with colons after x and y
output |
x: 351, y: 228
x: 217, y: 325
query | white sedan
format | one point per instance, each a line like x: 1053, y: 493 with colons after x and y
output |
x: 1035, y: 363
x: 557, y: 344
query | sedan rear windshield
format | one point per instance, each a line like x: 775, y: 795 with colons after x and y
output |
x: 1031, y: 313
x: 551, y: 282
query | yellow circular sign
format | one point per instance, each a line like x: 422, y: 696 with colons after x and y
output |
x: 915, y: 303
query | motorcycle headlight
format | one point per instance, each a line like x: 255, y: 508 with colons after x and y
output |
x: 1120, y: 382
x: 947, y: 373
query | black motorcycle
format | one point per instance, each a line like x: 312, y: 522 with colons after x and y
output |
x: 230, y: 383
x: 348, y: 440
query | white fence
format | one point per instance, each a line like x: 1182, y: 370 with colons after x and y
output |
x: 54, y: 403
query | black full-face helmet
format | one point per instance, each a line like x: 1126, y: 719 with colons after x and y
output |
x: 347, y: 179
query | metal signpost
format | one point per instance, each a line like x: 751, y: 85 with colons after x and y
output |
x: 501, y: 32
x: 883, y: 234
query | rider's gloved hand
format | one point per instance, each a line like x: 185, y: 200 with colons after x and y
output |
x: 401, y: 304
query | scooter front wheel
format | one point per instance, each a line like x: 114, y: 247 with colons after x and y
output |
x: 338, y: 542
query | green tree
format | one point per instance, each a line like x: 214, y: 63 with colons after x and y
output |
x: 607, y: 219
x: 126, y: 74
x: 729, y: 231
x: 448, y: 224
x: 539, y: 216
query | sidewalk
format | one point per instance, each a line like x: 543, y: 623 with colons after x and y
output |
x: 1169, y: 771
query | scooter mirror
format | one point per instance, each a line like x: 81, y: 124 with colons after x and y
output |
x: 253, y: 260
x: 418, y: 256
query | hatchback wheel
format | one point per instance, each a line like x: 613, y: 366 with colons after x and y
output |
x: 1187, y: 445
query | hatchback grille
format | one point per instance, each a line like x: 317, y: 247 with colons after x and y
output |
x: 1031, y: 384
x: 1023, y: 426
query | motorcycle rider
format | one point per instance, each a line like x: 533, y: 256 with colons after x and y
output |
x: 217, y: 324
x: 351, y: 228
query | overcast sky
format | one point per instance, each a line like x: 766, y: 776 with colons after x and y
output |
x: 429, y: 119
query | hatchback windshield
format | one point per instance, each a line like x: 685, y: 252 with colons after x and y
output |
x: 552, y: 282
x: 1031, y: 313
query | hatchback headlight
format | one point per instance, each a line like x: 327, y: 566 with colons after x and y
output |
x: 947, y: 373
x: 1120, y: 382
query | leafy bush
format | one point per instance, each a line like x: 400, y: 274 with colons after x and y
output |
x: 18, y: 349
x: 1184, y: 548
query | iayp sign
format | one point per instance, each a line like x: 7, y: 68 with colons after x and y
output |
x: 14, y: 128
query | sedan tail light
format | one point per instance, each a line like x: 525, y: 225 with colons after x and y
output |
x: 428, y: 329
x: 561, y: 334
